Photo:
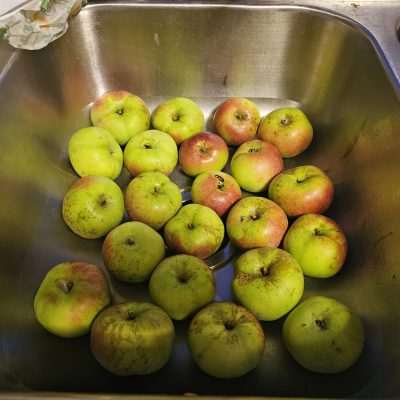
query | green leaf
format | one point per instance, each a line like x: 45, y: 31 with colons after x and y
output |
x: 44, y: 6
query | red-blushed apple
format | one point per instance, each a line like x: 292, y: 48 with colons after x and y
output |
x: 69, y: 298
x: 195, y: 230
x: 132, y: 338
x: 216, y: 190
x: 288, y: 129
x: 236, y: 120
x: 318, y: 244
x: 254, y: 164
x: 203, y: 152
x: 121, y: 113
x: 256, y: 222
x: 302, y: 190
x: 226, y: 340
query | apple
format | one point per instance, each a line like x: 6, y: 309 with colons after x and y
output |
x: 236, y: 120
x: 121, y: 113
x: 153, y: 199
x: 195, y: 230
x: 182, y: 284
x: 216, y: 190
x: 151, y: 151
x: 318, y: 244
x: 132, y: 250
x: 256, y: 222
x: 203, y: 152
x: 302, y: 190
x: 69, y: 298
x: 94, y: 151
x: 179, y: 117
x: 288, y: 129
x: 132, y: 338
x: 254, y: 164
x: 323, y: 335
x: 92, y: 206
x: 269, y: 282
x: 226, y: 340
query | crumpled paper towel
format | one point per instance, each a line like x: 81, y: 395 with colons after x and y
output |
x: 38, y: 22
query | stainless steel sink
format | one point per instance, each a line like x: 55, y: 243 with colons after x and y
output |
x: 340, y: 64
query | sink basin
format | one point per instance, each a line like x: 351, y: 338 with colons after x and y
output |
x: 275, y: 55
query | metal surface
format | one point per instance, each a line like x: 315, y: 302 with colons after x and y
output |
x: 341, y: 71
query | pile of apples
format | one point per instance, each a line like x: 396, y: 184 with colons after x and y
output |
x: 252, y: 205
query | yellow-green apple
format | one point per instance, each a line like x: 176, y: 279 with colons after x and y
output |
x: 255, y: 163
x: 217, y: 190
x: 288, y: 129
x: 236, y: 120
x: 203, y: 152
x: 151, y: 151
x: 179, y: 117
x: 318, y: 244
x: 256, y: 222
x: 323, y: 335
x: 153, y: 199
x: 94, y: 151
x: 132, y: 250
x: 121, y: 113
x: 196, y: 230
x: 267, y: 281
x: 226, y: 340
x: 181, y: 285
x: 302, y: 190
x: 92, y: 206
x: 132, y: 338
x: 69, y: 298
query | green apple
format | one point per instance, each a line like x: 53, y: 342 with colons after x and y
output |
x: 182, y: 284
x: 151, y: 151
x: 226, y: 340
x: 94, y: 151
x: 93, y: 206
x: 288, y: 129
x: 318, y: 244
x: 196, y: 230
x: 179, y: 117
x: 69, y: 298
x: 132, y: 250
x: 269, y: 282
x: 132, y: 338
x: 121, y: 113
x: 323, y: 335
x: 153, y: 199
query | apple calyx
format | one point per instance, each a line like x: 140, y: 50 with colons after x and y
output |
x: 130, y: 242
x: 190, y: 226
x: 102, y: 201
x: 147, y: 146
x: 241, y: 116
x: 183, y: 278
x: 318, y: 232
x: 203, y: 148
x: 131, y: 316
x: 176, y: 117
x: 286, y: 120
x: 322, y: 324
x: 120, y: 111
x: 221, y: 181
x: 229, y: 325
x: 65, y: 285
x: 264, y: 271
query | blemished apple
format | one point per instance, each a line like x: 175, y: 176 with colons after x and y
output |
x: 179, y: 117
x: 226, y: 340
x: 288, y: 129
x: 151, y: 150
x: 94, y: 151
x: 195, y: 230
x: 181, y: 285
x: 236, y: 120
x: 216, y: 190
x: 121, y: 113
x: 323, y: 335
x: 256, y: 222
x: 302, y: 190
x: 132, y: 250
x: 318, y: 244
x: 254, y: 164
x: 92, y: 206
x: 153, y: 199
x: 203, y: 152
x: 269, y: 282
x: 132, y: 338
x: 69, y: 298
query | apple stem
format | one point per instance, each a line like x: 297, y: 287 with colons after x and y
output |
x: 65, y: 286
x: 229, y: 325
x: 286, y: 121
x: 264, y: 271
x: 321, y: 323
